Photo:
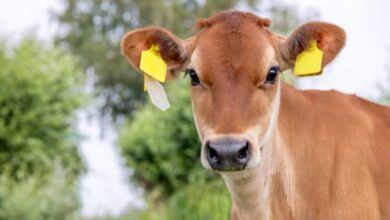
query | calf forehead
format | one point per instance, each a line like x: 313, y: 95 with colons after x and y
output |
x: 227, y: 51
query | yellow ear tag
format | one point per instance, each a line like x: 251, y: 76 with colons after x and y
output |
x: 309, y: 62
x: 152, y: 64
x: 155, y: 70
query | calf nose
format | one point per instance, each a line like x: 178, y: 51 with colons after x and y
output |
x: 227, y: 154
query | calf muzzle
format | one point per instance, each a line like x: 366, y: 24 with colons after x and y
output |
x: 228, y: 154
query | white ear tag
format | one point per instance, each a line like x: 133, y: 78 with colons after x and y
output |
x: 156, y: 93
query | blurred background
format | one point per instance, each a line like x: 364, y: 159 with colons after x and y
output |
x: 78, y: 136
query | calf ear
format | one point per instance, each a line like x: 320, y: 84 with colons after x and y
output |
x: 330, y: 39
x: 172, y: 49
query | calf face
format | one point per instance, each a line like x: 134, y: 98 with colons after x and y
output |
x: 234, y: 63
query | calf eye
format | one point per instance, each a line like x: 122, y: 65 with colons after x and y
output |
x: 272, y: 75
x: 194, y: 77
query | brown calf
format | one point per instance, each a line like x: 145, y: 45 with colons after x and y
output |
x: 283, y: 153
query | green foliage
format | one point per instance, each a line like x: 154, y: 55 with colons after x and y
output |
x: 39, y: 92
x: 192, y: 202
x: 40, y: 89
x: 209, y: 202
x: 37, y: 199
x: 163, y: 147
x: 92, y: 31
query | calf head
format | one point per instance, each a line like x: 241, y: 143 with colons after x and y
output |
x: 234, y: 62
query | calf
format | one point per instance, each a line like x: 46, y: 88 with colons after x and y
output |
x: 283, y: 153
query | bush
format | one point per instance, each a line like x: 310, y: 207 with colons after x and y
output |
x: 38, y: 199
x: 40, y: 89
x: 192, y: 202
x: 163, y: 148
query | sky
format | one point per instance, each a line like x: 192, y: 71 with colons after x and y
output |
x: 32, y: 18
x: 359, y: 68
x: 361, y: 65
x: 105, y: 189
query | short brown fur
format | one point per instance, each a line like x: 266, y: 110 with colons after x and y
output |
x: 327, y: 156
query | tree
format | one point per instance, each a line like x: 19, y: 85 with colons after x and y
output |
x: 40, y: 89
x: 35, y: 198
x: 163, y: 148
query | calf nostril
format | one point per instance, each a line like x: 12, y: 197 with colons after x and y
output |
x: 243, y: 152
x: 213, y: 155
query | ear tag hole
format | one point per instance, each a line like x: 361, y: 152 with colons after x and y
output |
x: 309, y: 62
